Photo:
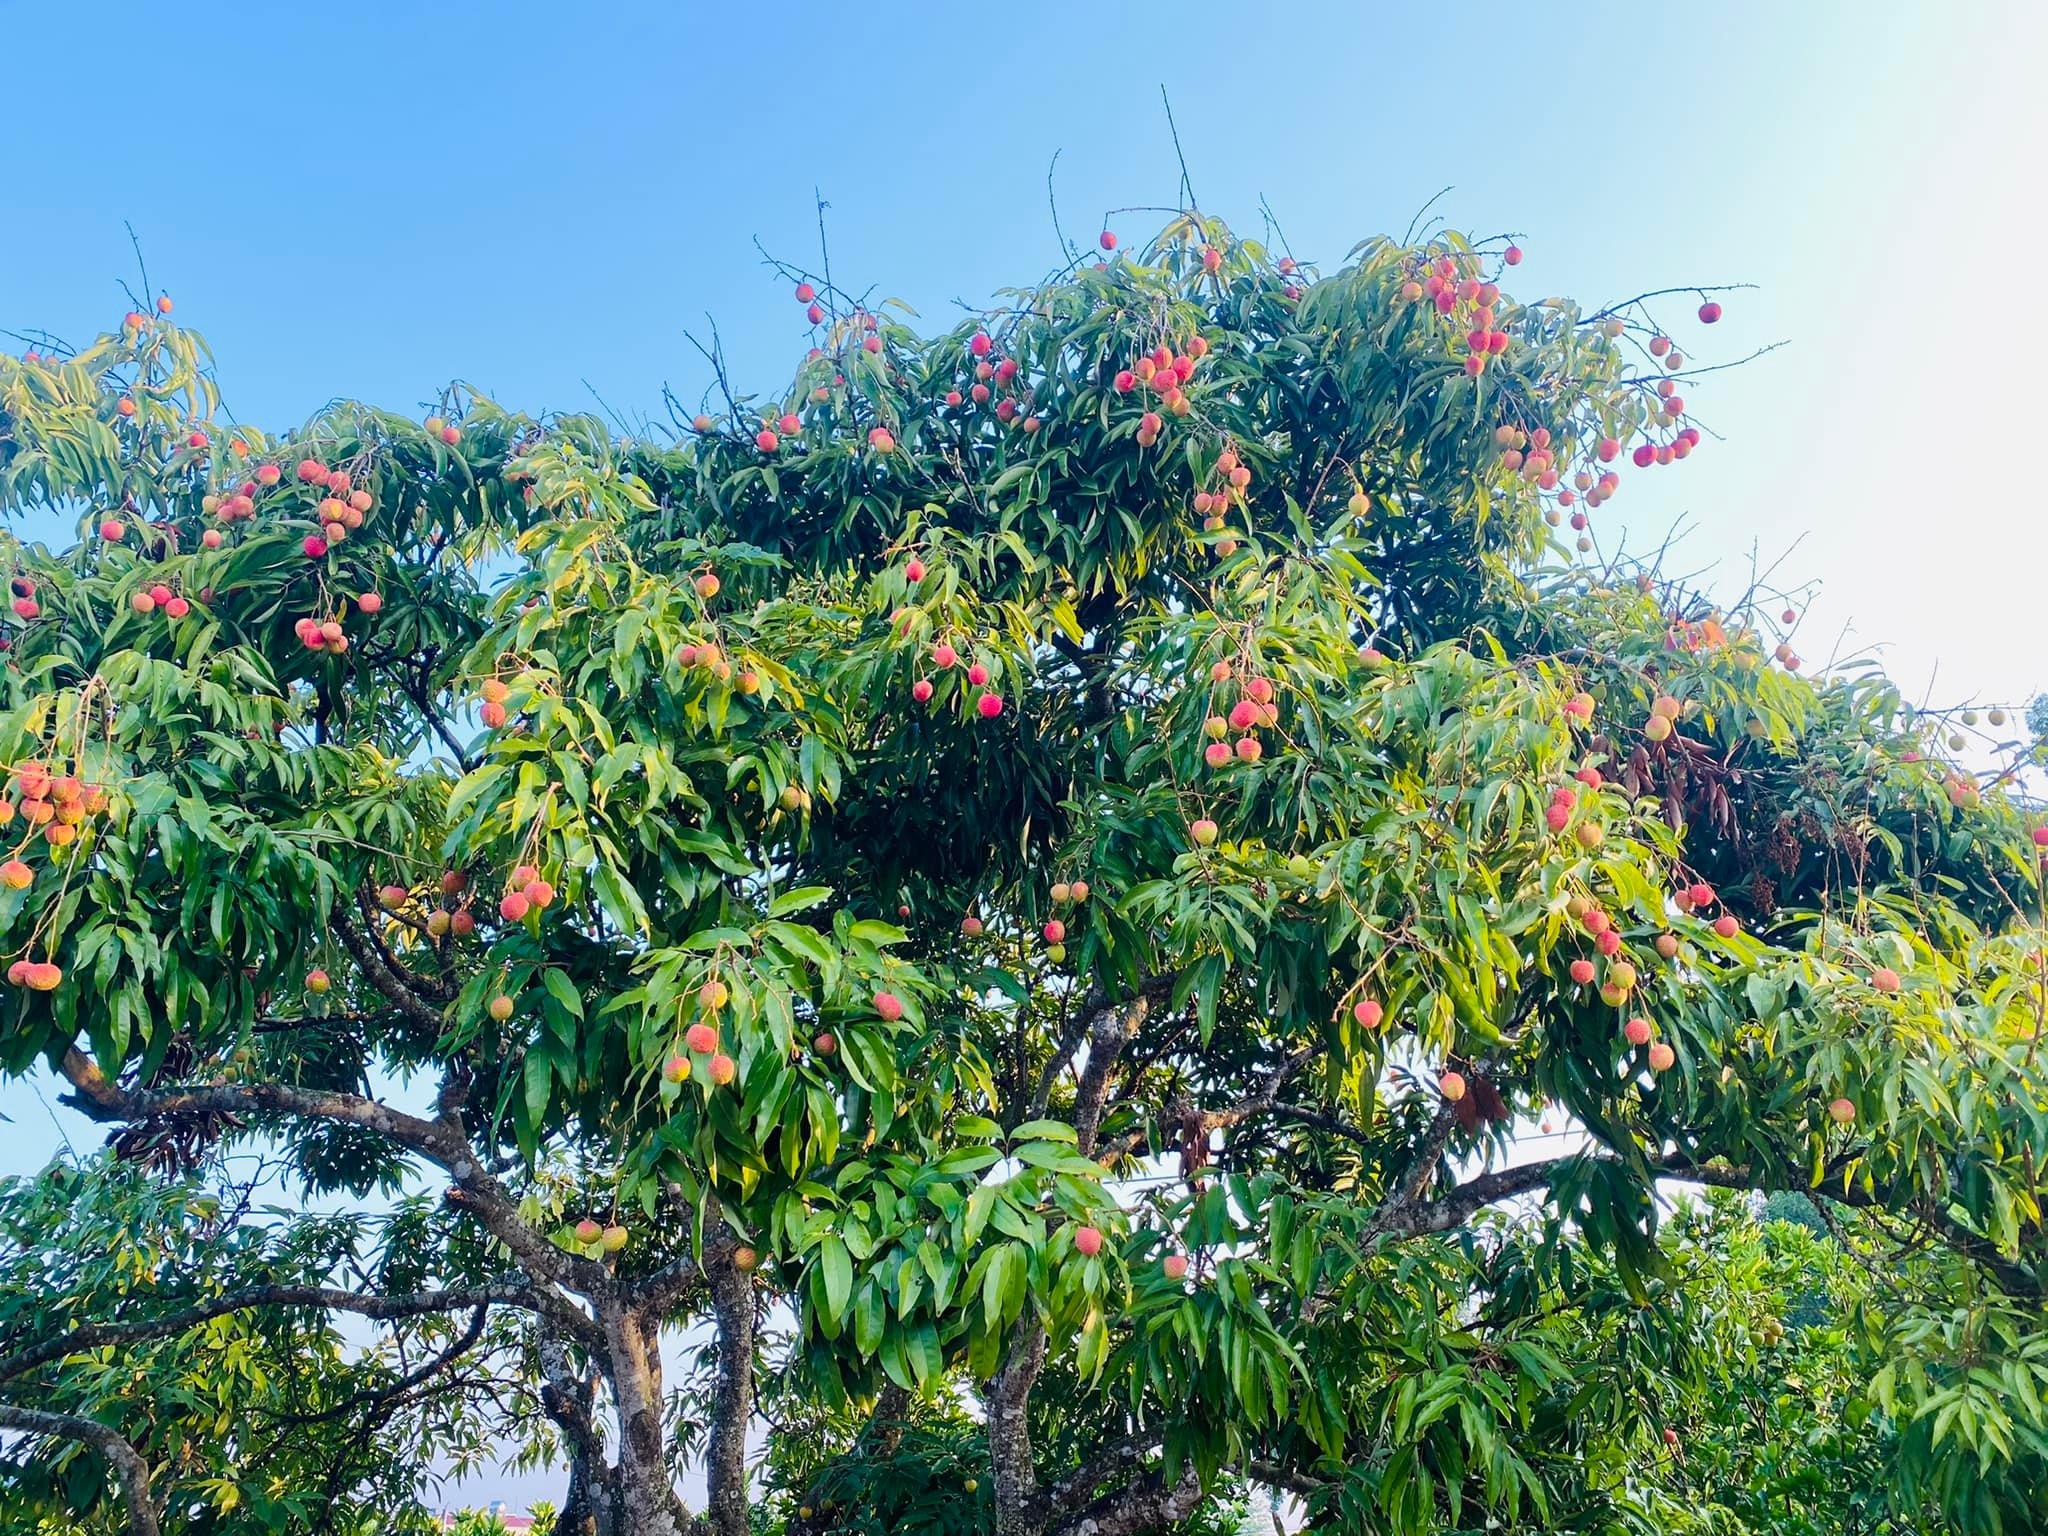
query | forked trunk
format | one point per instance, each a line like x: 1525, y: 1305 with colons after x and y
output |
x: 646, y: 1502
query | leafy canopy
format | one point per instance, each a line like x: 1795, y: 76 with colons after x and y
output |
x: 1138, y: 765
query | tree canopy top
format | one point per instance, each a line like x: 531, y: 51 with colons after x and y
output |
x: 1071, y: 838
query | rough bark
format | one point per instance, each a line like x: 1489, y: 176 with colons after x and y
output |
x: 130, y: 1470
x: 441, y: 1140
x: 884, y: 1432
x: 567, y: 1396
x: 647, y: 1502
x: 1109, y: 1031
x: 732, y: 1408
x: 1009, y: 1430
x: 1148, y: 1504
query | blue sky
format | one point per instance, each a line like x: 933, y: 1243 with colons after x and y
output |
x: 374, y: 200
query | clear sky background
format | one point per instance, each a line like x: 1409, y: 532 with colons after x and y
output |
x: 371, y: 200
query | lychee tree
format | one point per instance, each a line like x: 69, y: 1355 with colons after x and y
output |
x: 324, y: 1435
x: 1051, y: 868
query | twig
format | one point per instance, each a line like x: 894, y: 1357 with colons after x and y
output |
x: 1692, y: 373
x: 1054, y: 203
x: 1409, y: 237
x: 1187, y: 188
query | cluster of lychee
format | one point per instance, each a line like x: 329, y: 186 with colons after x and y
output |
x: 1639, y: 1032
x: 36, y: 975
x: 160, y: 598
x: 525, y: 892
x: 1530, y: 455
x: 1254, y: 709
x: 771, y: 434
x: 705, y: 655
x: 54, y: 806
x: 448, y: 910
x: 340, y: 512
x: 1664, y: 713
x: 1288, y: 269
x: 1565, y: 802
x: 135, y: 319
x: 597, y: 1238
x: 1230, y: 478
x: 1164, y: 373
x: 1620, y: 978
x: 1454, y: 288
x: 1064, y: 893
x: 495, y: 692
x: 239, y: 504
x: 23, y: 592
x: 317, y: 634
x: 1694, y: 899
x: 701, y: 1040
x: 871, y: 339
x: 944, y: 657
x: 996, y: 378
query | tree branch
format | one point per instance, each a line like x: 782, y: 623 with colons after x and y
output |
x: 418, y: 995
x: 1149, y: 1503
x: 666, y: 1286
x: 566, y: 1396
x: 1109, y: 1032
x: 1274, y: 1475
x: 1261, y: 1101
x: 129, y: 1467
x: 441, y: 1141
x: 377, y: 1397
x: 1408, y: 1218
x: 1120, y: 1453
x: 88, y: 1336
x: 1009, y: 1425
x: 1202, y: 1122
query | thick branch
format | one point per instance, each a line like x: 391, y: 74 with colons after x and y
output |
x: 1009, y: 1427
x: 1265, y: 1098
x: 1200, y: 1122
x: 127, y: 1462
x: 646, y: 1504
x: 1410, y: 1218
x: 1120, y: 1454
x: 1301, y: 1114
x: 377, y: 1397
x: 1274, y: 1475
x: 1110, y: 1029
x: 441, y: 1141
x: 325, y: 1298
x: 421, y: 997
x: 1147, y: 1504
x: 667, y: 1285
x: 1109, y: 1033
x: 1063, y: 1051
x: 567, y: 1397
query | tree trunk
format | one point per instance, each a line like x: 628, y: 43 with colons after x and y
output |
x: 646, y: 1504
x: 1009, y: 1431
x: 732, y: 1304
x: 588, y: 1507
